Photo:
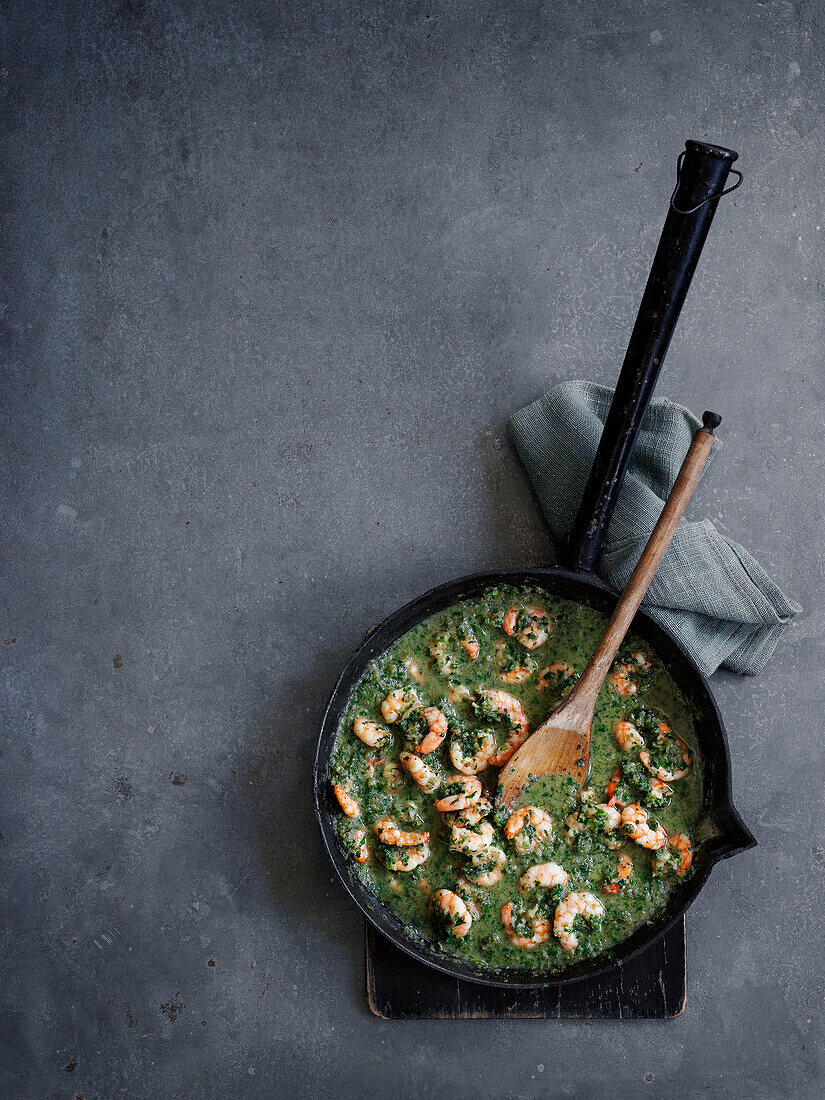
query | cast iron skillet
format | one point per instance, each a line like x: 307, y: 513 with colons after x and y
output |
x: 703, y: 170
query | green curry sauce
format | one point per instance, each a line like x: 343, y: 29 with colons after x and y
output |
x: 432, y: 667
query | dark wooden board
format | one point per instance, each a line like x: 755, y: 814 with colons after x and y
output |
x: 652, y: 986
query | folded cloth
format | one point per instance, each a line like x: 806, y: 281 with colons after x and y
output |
x: 708, y: 591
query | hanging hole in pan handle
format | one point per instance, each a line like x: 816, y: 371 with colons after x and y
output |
x: 710, y: 198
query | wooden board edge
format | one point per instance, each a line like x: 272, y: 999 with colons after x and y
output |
x: 370, y: 976
x: 675, y: 1015
x: 370, y: 936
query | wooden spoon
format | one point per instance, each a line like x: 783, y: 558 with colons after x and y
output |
x: 562, y: 741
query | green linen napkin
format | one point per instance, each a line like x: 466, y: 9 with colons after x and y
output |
x: 708, y: 592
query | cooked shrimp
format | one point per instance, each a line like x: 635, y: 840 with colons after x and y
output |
x: 440, y: 648
x: 660, y: 771
x: 410, y: 813
x: 471, y: 839
x: 469, y: 763
x: 517, y: 674
x: 354, y: 841
x: 370, y: 733
x: 503, y: 703
x: 641, y: 660
x: 635, y: 824
x: 588, y: 797
x: 622, y: 682
x: 487, y: 867
x: 514, y: 666
x: 581, y: 904
x: 508, y: 624
x: 471, y: 815
x: 459, y: 792
x: 388, y: 833
x: 513, y: 669
x: 627, y: 736
x: 454, y: 912
x: 442, y: 651
x: 538, y: 927
x: 601, y: 817
x: 403, y: 859
x: 679, y: 860
x: 359, y: 850
x: 393, y: 706
x: 681, y: 842
x: 473, y: 897
x: 398, y: 704
x: 393, y: 776
x: 623, y: 873
x: 606, y: 815
x: 457, y: 693
x: 553, y: 675
x: 468, y: 641
x: 612, y: 787
x: 521, y: 817
x: 573, y: 825
x: 414, y: 671
x: 659, y: 793
x: 345, y: 800
x: 437, y: 727
x: 528, y: 828
x: 422, y: 774
x: 599, y: 813
x: 625, y: 677
x: 634, y: 821
x: 547, y: 875
x: 443, y: 660
x: 534, y: 632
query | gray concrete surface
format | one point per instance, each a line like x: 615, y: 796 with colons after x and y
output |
x: 273, y: 277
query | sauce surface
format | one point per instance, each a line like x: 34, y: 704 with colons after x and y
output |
x: 459, y: 693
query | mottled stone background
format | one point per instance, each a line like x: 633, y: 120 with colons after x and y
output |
x: 274, y: 275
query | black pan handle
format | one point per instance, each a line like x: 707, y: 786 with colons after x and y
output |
x: 702, y: 172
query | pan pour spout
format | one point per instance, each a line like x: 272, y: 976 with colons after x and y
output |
x: 733, y: 836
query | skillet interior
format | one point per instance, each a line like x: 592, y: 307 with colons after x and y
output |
x: 731, y: 835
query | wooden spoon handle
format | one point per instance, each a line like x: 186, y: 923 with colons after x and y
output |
x: 583, y: 695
